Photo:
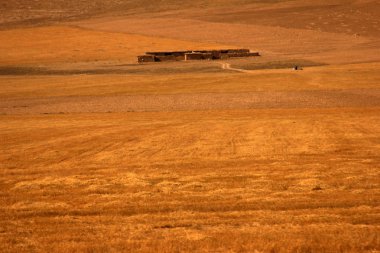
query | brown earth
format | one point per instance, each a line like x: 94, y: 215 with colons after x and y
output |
x: 101, y: 154
x: 326, y: 47
x: 195, y: 102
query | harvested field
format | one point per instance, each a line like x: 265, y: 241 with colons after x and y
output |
x: 80, y: 45
x: 296, y: 43
x: 195, y: 102
x: 233, y: 180
x: 101, y: 154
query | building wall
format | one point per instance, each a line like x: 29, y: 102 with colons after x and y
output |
x: 242, y: 54
x: 146, y: 58
x: 166, y: 58
x: 207, y: 56
x: 180, y: 57
x: 253, y: 54
x: 193, y: 56
x: 196, y: 55
x: 216, y: 54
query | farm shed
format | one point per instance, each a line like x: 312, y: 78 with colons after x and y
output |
x: 146, y: 58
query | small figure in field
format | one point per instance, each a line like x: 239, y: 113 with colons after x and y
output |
x: 297, y: 68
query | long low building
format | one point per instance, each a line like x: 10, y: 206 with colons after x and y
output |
x: 195, y: 55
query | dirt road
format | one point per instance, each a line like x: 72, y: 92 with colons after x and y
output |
x: 227, y: 66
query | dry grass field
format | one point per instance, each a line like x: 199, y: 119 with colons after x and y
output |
x: 101, y: 154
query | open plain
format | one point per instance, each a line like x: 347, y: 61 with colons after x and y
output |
x: 101, y: 154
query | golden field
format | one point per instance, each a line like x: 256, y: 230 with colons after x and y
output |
x: 100, y: 154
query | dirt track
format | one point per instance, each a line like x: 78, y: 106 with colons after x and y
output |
x: 227, y: 66
x: 195, y: 102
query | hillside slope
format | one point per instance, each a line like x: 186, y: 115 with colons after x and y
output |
x: 24, y: 12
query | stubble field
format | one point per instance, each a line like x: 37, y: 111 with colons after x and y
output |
x: 100, y: 154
